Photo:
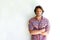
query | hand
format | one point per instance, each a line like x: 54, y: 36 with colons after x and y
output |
x: 43, y: 30
x: 45, y: 33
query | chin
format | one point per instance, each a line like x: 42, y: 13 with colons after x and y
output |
x: 38, y: 15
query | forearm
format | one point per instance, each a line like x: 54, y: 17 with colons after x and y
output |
x: 45, y: 33
x: 35, y: 32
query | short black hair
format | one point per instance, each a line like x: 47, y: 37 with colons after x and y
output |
x: 37, y: 8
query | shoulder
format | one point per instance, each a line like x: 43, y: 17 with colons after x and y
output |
x: 31, y: 19
x: 46, y: 19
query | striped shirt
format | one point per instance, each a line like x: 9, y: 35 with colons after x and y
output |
x: 34, y: 24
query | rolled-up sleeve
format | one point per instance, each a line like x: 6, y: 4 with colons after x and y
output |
x: 47, y: 26
x: 30, y: 25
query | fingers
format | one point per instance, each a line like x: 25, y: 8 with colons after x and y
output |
x: 43, y: 30
x: 45, y: 33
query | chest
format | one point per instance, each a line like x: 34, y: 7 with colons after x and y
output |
x: 39, y: 24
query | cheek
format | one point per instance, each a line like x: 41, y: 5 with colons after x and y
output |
x: 40, y: 13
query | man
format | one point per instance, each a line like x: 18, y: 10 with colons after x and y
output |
x: 38, y: 25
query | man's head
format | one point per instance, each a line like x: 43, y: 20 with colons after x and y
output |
x: 38, y: 10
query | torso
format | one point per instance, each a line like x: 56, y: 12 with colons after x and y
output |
x: 37, y: 25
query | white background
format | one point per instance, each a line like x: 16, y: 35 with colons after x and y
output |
x: 14, y: 16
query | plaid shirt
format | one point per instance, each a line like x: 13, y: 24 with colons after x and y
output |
x: 34, y: 24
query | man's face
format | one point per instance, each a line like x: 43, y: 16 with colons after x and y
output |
x: 38, y: 12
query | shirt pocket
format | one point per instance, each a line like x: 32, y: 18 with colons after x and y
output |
x: 43, y: 24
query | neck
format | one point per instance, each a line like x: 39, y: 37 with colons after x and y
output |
x: 38, y: 17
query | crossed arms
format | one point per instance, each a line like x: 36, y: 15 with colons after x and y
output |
x: 44, y: 31
x: 35, y: 32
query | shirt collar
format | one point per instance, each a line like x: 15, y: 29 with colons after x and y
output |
x: 41, y: 18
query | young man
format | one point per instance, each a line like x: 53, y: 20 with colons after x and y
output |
x: 38, y: 25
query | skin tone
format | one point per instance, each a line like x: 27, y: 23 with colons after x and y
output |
x: 38, y: 17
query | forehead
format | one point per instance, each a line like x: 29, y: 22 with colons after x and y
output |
x: 38, y: 9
